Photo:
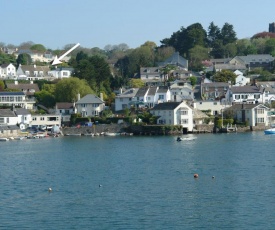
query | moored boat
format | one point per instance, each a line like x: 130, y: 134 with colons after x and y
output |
x: 4, y: 139
x: 270, y: 131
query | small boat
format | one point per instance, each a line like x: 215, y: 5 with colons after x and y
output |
x: 89, y: 134
x: 4, y: 139
x: 186, y: 138
x: 111, y: 134
x: 270, y: 131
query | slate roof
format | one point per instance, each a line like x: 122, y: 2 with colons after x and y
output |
x: 89, y: 99
x: 245, y: 89
x: 64, y: 105
x: 24, y: 87
x: 266, y: 86
x: 9, y: 127
x: 22, y: 111
x: 215, y: 84
x: 4, y: 93
x: 244, y: 106
x: 152, y: 90
x: 166, y: 106
x: 141, y: 92
x: 256, y: 58
x: 128, y: 93
x: 7, y: 113
x: 175, y: 59
x: 163, y: 89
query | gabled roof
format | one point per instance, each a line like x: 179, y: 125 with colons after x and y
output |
x: 152, y: 90
x: 245, y: 89
x: 176, y: 60
x: 89, y: 99
x: 4, y: 93
x: 166, y: 106
x: 9, y: 127
x: 256, y: 58
x: 128, y: 93
x: 266, y: 86
x: 24, y: 87
x: 163, y: 89
x: 141, y: 92
x: 215, y: 84
x: 245, y: 106
x: 7, y: 113
x: 32, y: 68
x: 22, y: 111
x: 64, y: 105
x: 5, y: 65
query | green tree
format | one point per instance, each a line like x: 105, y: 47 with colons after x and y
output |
x: 136, y: 83
x: 23, y: 59
x: 196, y: 55
x: 193, y: 81
x: 45, y: 98
x: 224, y: 76
x: 38, y: 47
x: 228, y: 35
x: 2, y: 85
x: 67, y: 89
x: 214, y: 33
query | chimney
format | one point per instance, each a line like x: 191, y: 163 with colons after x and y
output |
x: 101, y: 96
x: 120, y: 90
x: 78, y: 96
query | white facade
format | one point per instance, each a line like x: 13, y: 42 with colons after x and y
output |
x: 125, y: 99
x: 215, y: 107
x: 181, y: 91
x: 90, y: 106
x: 241, y: 79
x: 47, y: 120
x: 61, y: 73
x: 244, y: 94
x: 8, y: 71
x: 174, y: 113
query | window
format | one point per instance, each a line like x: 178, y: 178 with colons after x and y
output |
x: 94, y: 105
x: 83, y: 105
x: 2, y: 121
x: 244, y: 96
x: 42, y: 118
x: 148, y: 98
x: 121, y: 99
x: 260, y: 120
x: 183, y: 112
x: 60, y: 111
x: 260, y: 111
x: 161, y: 97
x: 130, y: 99
x: 184, y: 121
x: 237, y: 97
x: 34, y: 118
x: 256, y: 96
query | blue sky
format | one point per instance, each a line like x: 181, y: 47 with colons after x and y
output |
x: 56, y: 23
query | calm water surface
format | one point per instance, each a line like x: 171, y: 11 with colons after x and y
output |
x: 146, y: 182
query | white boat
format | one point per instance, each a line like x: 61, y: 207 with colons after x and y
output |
x: 270, y: 131
x: 89, y: 134
x: 4, y: 139
x: 186, y: 138
x: 111, y: 134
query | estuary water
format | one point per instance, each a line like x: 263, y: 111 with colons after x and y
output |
x: 143, y: 182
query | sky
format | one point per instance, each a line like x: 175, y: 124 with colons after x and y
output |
x: 97, y: 23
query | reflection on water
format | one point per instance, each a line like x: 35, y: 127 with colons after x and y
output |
x: 138, y: 182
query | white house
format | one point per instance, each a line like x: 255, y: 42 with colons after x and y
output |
x: 32, y: 72
x: 180, y: 91
x: 254, y: 114
x: 8, y: 71
x: 65, y: 109
x: 125, y: 99
x: 267, y: 88
x: 16, y: 99
x: 174, y: 113
x: 61, y: 72
x: 24, y: 117
x: 90, y: 105
x: 241, y: 79
x: 8, y: 117
x: 214, y: 107
x: 244, y: 94
x: 46, y: 120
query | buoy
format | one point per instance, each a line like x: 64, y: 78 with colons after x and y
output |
x: 50, y: 189
x: 196, y: 175
x: 213, y: 177
x: 100, y: 185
